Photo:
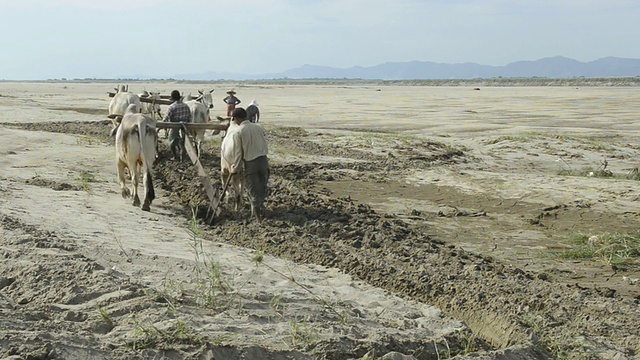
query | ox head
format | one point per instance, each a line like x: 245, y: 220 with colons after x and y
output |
x: 155, y: 106
x: 206, y: 98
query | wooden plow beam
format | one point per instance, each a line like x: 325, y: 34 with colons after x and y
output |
x: 149, y: 100
x: 214, y: 195
x: 192, y: 126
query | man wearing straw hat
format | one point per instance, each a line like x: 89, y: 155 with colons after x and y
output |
x: 231, y: 100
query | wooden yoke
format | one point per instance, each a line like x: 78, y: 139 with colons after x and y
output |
x: 149, y: 100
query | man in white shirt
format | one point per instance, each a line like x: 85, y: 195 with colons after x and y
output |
x: 253, y: 112
x: 246, y: 145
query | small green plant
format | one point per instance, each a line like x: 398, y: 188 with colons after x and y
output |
x: 610, y: 248
x: 293, y: 131
x: 565, y: 168
x: 633, y: 174
x: 211, y: 287
x: 513, y: 138
x: 599, y: 172
x: 86, y: 178
x: 302, y: 334
x: 85, y: 140
x: 257, y: 258
x: 170, y: 292
x: 182, y: 332
x: 596, y: 173
x: 275, y: 304
x: 446, y: 343
x: 471, y: 345
x: 146, y: 336
x: 129, y: 259
x: 103, y: 316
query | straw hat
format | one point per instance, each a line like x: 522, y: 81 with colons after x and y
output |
x: 231, y: 92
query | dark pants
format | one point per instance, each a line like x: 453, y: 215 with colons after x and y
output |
x: 256, y: 176
x: 175, y: 141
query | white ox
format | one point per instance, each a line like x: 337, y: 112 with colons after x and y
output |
x: 199, y: 115
x: 206, y: 98
x: 150, y: 108
x: 119, y: 104
x: 136, y: 151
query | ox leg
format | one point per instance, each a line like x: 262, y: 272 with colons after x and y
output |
x: 121, y: 166
x: 149, y: 193
x: 135, y: 180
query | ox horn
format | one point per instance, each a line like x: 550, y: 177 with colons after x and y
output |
x: 210, y: 91
x: 200, y: 92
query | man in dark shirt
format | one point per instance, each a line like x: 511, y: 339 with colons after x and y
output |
x: 177, y: 112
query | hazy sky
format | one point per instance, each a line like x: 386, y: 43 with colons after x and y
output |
x: 44, y: 39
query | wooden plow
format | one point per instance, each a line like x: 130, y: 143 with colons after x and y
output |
x: 215, y: 195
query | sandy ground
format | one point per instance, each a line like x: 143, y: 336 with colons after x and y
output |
x: 403, y: 221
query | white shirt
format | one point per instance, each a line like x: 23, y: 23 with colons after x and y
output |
x: 246, y: 141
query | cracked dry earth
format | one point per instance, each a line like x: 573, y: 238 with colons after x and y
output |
x: 377, y: 244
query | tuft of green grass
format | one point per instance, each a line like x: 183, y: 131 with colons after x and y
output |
x: 103, y: 316
x: 295, y: 131
x: 609, y: 248
x: 600, y: 171
x: 86, y: 178
x: 212, y: 289
x: 302, y: 334
x: 589, y: 172
x: 146, y: 336
x: 633, y: 174
x: 85, y: 140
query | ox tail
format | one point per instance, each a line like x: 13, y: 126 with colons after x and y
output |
x: 147, y: 150
x: 151, y: 194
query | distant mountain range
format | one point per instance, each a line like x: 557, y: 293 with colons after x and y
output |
x: 552, y: 67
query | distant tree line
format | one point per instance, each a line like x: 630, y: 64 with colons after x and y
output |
x: 496, y: 82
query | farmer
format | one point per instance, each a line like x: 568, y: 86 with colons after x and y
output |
x: 178, y: 111
x: 231, y: 100
x: 248, y: 145
x: 253, y: 112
